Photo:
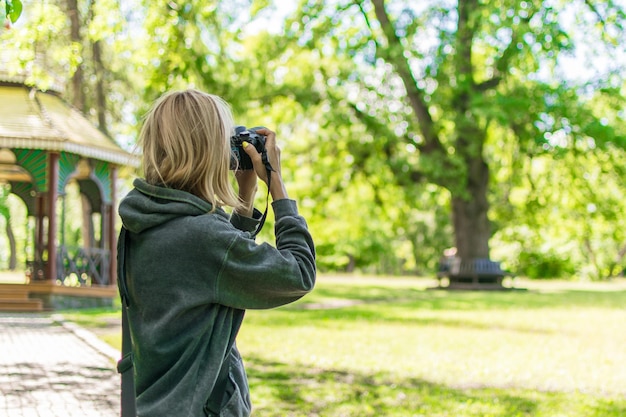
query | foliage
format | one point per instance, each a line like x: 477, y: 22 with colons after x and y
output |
x: 13, y: 10
x: 544, y: 264
x: 442, y: 102
x: 46, y: 59
x: 389, y: 129
x: 570, y: 211
x: 13, y: 221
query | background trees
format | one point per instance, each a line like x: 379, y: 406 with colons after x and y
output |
x: 445, y: 88
x: 495, y: 127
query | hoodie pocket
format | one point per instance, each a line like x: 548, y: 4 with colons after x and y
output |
x: 238, y: 403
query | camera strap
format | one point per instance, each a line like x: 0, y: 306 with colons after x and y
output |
x: 125, y: 364
x: 269, y: 170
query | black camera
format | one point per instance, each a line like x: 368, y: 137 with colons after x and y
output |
x: 240, y: 159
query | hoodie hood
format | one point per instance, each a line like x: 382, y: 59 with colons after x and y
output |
x: 148, y: 206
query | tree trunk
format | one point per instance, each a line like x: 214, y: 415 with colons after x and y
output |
x: 88, y: 228
x: 99, y: 72
x: 12, y: 245
x: 351, y: 264
x: 471, y: 225
x: 78, y: 95
x: 469, y: 185
x: 470, y: 205
x: 100, y: 95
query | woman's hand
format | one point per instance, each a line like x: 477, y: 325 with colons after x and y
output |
x: 276, y: 185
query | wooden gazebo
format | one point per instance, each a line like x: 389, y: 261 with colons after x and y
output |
x: 44, y: 144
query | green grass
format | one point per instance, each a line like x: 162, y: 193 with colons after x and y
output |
x: 388, y: 347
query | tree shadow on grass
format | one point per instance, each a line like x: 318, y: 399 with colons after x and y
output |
x: 404, y: 306
x: 291, y: 390
x: 462, y: 300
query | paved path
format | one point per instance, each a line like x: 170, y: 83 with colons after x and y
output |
x: 49, y: 368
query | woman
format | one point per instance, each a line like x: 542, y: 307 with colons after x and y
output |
x: 191, y: 269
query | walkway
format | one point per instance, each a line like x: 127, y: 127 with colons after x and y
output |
x: 50, y: 368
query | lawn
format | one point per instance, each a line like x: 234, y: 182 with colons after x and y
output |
x: 390, y: 347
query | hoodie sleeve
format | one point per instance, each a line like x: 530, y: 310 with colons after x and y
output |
x: 246, y: 224
x: 262, y: 276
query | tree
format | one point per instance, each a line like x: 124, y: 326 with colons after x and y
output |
x: 8, y: 226
x: 441, y: 79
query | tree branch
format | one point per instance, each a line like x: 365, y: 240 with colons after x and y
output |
x: 394, y: 55
x: 502, y: 64
x: 359, y: 4
x: 488, y: 84
x: 465, y: 36
x: 403, y: 178
x: 596, y: 12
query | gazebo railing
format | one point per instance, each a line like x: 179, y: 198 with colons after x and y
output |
x: 78, y: 266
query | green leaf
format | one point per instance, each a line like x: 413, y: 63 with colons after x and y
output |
x: 13, y: 9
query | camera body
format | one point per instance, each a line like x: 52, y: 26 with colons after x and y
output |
x: 240, y: 159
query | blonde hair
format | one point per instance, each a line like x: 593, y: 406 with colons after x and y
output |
x: 186, y: 146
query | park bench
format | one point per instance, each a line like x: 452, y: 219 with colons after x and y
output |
x: 473, y: 274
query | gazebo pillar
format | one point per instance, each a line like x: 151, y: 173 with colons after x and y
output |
x: 111, y: 229
x: 39, y: 235
x: 53, y: 172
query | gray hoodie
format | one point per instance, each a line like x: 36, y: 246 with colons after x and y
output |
x: 190, y: 275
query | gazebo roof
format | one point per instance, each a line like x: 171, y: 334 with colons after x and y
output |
x: 33, y: 119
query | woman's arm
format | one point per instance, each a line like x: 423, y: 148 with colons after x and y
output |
x: 255, y: 276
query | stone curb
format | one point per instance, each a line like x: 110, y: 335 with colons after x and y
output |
x: 88, y: 337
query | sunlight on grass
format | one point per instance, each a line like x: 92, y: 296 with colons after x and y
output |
x: 448, y: 350
x: 400, y: 350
